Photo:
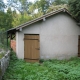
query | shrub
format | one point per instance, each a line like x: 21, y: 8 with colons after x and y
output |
x: 49, y: 70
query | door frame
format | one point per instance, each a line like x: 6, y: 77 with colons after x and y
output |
x: 33, y: 39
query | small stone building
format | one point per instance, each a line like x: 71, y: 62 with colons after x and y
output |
x: 54, y: 35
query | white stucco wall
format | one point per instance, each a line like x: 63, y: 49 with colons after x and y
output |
x: 58, y: 37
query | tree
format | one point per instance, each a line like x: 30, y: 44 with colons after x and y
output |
x: 20, y: 5
x: 2, y: 18
x: 9, y: 19
x: 19, y: 19
x: 36, y: 15
x: 59, y: 2
x: 42, y: 5
x: 57, y: 7
x: 74, y: 8
x: 24, y: 5
x: 2, y: 5
x: 5, y: 20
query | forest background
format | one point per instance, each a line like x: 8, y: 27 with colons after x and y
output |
x: 17, y: 12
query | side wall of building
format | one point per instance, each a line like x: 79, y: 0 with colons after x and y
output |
x: 58, y: 37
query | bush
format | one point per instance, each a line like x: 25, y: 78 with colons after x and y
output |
x: 49, y: 70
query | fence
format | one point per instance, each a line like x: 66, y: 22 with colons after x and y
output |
x: 4, y: 62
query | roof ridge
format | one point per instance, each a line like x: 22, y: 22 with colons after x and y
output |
x: 43, y: 16
x: 56, y: 11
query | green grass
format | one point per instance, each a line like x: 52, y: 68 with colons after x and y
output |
x: 48, y: 70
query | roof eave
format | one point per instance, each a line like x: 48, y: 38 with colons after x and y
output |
x: 41, y: 18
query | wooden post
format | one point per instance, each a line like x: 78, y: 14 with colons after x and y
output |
x: 7, y: 38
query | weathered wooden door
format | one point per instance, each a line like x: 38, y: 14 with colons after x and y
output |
x: 79, y: 46
x: 31, y: 48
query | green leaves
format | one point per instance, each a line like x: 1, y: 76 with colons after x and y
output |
x: 48, y: 70
x: 19, y: 19
x: 74, y: 7
x: 59, y: 2
x: 6, y: 20
x: 2, y: 5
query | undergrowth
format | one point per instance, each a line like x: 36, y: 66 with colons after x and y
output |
x: 1, y: 55
x: 48, y: 70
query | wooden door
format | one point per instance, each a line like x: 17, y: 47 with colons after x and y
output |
x: 31, y: 48
x: 79, y: 46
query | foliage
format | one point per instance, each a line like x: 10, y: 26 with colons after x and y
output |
x: 2, y: 39
x: 34, y: 10
x: 24, y: 5
x: 42, y: 5
x: 74, y: 7
x: 56, y: 7
x: 59, y: 2
x: 48, y: 70
x: 20, y: 19
x: 28, y: 11
x: 2, y: 5
x: 2, y: 19
x: 5, y: 20
x: 20, y: 5
x: 9, y: 19
x: 1, y: 55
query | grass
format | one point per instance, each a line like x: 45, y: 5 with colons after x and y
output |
x: 2, y: 55
x: 48, y: 70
